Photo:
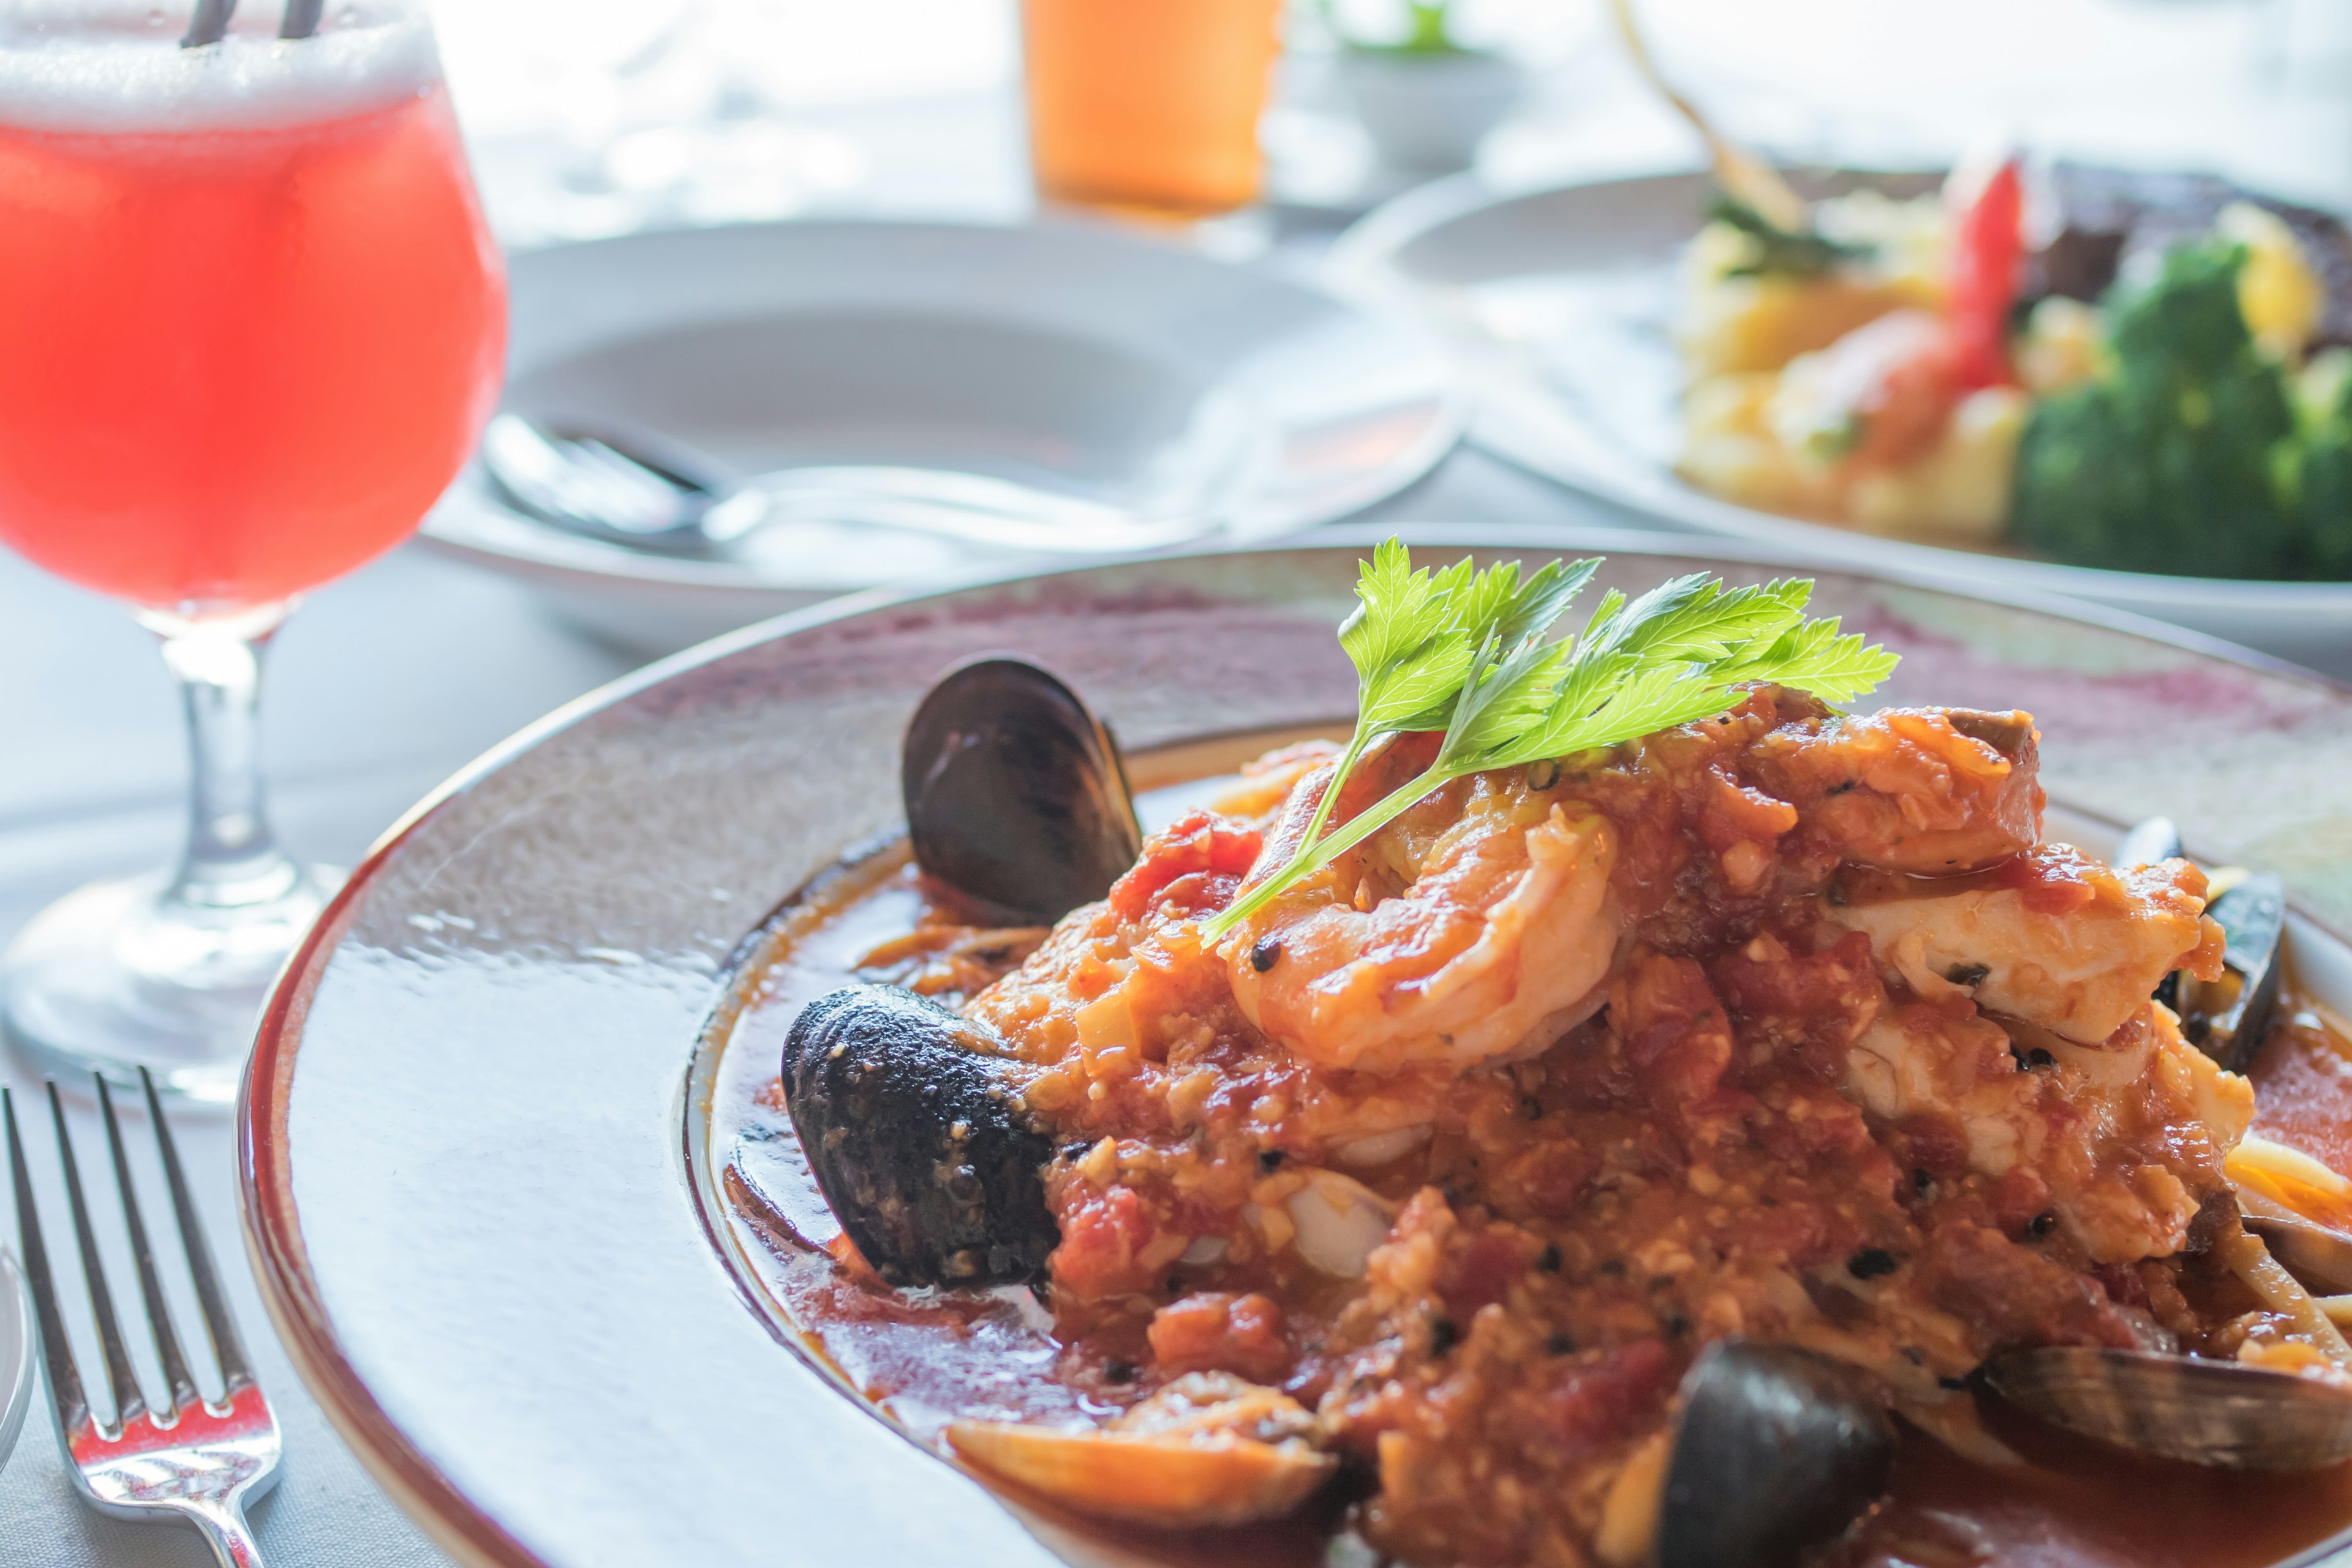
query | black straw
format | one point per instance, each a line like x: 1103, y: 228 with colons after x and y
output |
x: 301, y: 19
x: 209, y: 25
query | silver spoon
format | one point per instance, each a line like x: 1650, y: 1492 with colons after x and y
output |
x: 629, y: 487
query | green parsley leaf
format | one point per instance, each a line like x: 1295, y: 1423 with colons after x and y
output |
x: 1413, y: 637
x: 1681, y: 653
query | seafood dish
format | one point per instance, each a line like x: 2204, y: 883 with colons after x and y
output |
x: 1628, y: 1101
x: 2141, y: 371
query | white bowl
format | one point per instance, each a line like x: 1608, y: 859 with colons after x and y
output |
x: 1427, y: 114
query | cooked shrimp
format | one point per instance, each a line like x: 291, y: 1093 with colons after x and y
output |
x: 1479, y: 925
x: 1925, y: 790
x: 2053, y: 937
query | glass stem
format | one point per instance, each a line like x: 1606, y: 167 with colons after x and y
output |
x: 231, y: 857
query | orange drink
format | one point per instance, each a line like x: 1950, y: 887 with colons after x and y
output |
x: 1151, y: 104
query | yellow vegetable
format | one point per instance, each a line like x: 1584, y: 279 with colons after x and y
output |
x: 2280, y: 295
x: 2064, y: 345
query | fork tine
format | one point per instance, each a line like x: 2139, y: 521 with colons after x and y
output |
x: 129, y: 1403
x: 219, y: 1327
x: 151, y: 1288
x: 64, y: 1381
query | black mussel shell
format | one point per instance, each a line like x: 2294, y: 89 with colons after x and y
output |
x: 918, y: 1139
x: 1014, y: 791
x: 1777, y: 1452
x: 2228, y: 1019
x: 2212, y: 1413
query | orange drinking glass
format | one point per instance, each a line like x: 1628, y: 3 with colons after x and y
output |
x: 1148, y: 104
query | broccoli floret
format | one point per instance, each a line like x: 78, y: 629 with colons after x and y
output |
x: 2324, y: 477
x: 2180, y: 458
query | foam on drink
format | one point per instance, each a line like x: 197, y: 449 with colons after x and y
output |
x: 70, y: 66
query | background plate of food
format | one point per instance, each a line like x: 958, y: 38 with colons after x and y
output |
x: 2136, y: 397
x: 531, y: 1210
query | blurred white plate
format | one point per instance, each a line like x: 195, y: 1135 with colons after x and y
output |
x: 1558, y: 304
x: 1077, y: 358
x: 15, y: 1355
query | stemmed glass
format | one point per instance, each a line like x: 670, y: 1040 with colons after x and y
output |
x: 251, y: 323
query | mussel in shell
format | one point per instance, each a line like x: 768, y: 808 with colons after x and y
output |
x: 1207, y: 1449
x: 2226, y: 1018
x: 2319, y: 1255
x: 1778, y: 1450
x: 917, y: 1137
x: 1016, y: 793
x: 2213, y: 1413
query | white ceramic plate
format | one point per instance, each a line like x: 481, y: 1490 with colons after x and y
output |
x: 1075, y: 357
x: 1557, y: 302
x: 16, y: 1377
x: 470, y: 1128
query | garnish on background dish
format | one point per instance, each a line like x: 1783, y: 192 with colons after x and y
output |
x: 1884, y: 364
x: 1679, y: 654
x: 1793, y: 253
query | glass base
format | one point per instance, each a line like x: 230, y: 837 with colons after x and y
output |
x: 118, y: 976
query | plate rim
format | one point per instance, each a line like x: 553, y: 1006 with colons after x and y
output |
x: 1361, y: 265
x: 270, y: 1225
x: 544, y: 551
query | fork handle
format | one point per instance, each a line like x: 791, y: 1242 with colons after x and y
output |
x: 227, y: 1532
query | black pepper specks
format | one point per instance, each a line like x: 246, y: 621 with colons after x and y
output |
x: 1871, y: 1263
x: 2041, y: 1224
x: 1267, y: 953
x: 1547, y: 1260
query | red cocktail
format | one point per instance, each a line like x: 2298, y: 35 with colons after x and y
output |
x: 251, y: 322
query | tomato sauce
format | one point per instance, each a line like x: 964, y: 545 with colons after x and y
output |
x: 924, y: 1359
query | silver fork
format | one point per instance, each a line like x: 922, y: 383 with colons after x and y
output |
x: 197, y: 1459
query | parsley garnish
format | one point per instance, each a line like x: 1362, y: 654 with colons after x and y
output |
x: 1469, y: 652
x: 1796, y: 253
x: 1414, y: 637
